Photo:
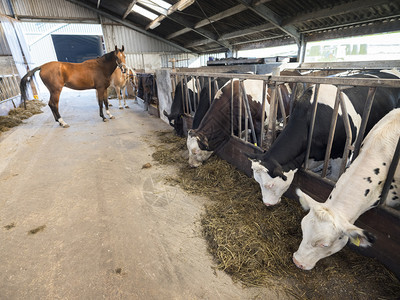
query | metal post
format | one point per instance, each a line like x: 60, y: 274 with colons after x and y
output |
x: 364, y: 120
x: 349, y: 135
x: 271, y: 117
x: 312, y: 124
x: 209, y: 89
x: 173, y: 83
x: 281, y: 105
x: 331, y: 133
x: 198, y: 91
x: 240, y: 110
x: 232, y: 106
x: 249, y: 116
x: 183, y: 97
x: 263, y: 114
x: 188, y: 102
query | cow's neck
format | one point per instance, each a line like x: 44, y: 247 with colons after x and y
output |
x: 216, y: 136
x: 352, y: 200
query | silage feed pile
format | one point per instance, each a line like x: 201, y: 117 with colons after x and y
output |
x: 254, y: 243
x: 15, y: 116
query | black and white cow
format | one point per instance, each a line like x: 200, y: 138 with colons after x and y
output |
x: 275, y: 169
x: 175, y: 117
x: 328, y: 226
x: 215, y: 128
x: 177, y: 111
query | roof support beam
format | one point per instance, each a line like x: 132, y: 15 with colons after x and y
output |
x: 222, y: 15
x: 233, y: 35
x: 270, y: 16
x: 128, y: 24
x: 207, y: 34
x: 129, y: 9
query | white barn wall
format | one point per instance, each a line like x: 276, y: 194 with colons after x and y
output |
x: 50, y: 10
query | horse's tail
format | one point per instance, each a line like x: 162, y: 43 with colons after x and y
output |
x: 24, y: 81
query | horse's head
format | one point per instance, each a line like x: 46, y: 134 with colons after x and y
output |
x: 120, y: 58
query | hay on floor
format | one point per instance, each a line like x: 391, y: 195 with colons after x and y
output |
x: 254, y: 243
x: 15, y: 116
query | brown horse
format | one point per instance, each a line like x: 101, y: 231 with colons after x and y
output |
x: 119, y: 81
x: 90, y: 74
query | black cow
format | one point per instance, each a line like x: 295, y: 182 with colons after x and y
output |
x: 275, y: 169
x: 175, y: 117
x: 147, y: 88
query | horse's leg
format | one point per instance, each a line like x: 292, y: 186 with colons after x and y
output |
x: 135, y: 90
x: 124, y: 95
x: 53, y: 103
x: 118, y: 90
x: 106, y: 104
x: 100, y: 99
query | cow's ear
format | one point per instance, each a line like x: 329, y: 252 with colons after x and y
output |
x: 278, y: 172
x: 203, y: 142
x: 306, y: 201
x: 358, y: 236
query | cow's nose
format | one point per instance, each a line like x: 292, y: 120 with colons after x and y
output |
x: 299, y: 265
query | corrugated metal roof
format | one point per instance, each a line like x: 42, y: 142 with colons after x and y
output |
x: 235, y: 24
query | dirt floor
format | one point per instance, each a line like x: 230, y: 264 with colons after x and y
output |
x: 80, y: 218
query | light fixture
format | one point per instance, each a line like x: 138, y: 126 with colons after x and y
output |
x: 185, y: 4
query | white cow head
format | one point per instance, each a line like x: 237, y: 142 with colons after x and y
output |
x: 194, y: 143
x: 273, y: 184
x: 324, y: 233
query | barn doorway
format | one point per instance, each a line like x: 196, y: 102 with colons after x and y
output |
x: 77, y: 48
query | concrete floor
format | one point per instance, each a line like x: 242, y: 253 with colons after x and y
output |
x: 110, y: 229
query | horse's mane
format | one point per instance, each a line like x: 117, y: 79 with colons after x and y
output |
x: 108, y: 56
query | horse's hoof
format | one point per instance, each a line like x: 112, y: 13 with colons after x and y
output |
x: 126, y: 106
x: 66, y: 126
x: 112, y: 117
x: 109, y: 104
x: 105, y: 120
x: 121, y: 107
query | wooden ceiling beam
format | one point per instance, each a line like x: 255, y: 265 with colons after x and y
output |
x: 270, y: 16
x: 129, y: 9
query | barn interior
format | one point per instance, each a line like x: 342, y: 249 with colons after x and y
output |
x: 182, y: 38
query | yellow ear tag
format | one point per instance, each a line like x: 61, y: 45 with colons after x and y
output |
x: 355, y: 241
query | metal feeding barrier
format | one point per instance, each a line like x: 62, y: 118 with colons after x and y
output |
x: 383, y: 221
x: 271, y: 90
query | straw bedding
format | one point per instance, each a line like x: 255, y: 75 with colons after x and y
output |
x: 254, y: 243
x: 15, y: 116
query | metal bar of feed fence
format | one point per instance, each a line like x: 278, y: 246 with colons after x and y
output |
x: 331, y: 133
x: 364, y: 120
x: 246, y: 100
x: 263, y: 114
x: 312, y: 124
x: 349, y: 136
